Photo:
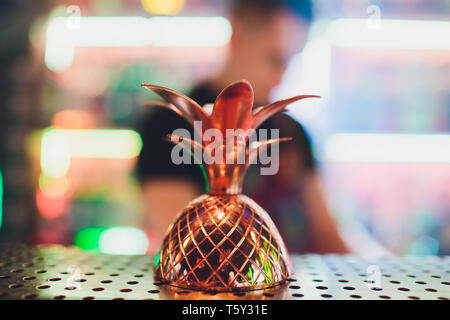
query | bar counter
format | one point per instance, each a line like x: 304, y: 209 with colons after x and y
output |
x: 59, y: 272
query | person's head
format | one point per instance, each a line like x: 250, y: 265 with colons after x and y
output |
x: 266, y: 34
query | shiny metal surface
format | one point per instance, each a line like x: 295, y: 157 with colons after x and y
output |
x: 232, y: 110
x: 57, y: 272
x: 223, y: 243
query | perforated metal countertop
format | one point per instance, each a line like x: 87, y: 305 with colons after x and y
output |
x: 57, y: 272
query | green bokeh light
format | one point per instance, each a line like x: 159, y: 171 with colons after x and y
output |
x: 157, y: 258
x: 1, y: 199
x: 88, y: 238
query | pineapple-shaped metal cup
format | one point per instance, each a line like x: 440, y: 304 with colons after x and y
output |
x: 223, y: 240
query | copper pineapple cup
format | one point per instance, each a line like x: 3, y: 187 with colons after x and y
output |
x: 223, y: 240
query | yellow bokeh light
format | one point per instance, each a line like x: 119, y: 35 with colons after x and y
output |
x: 163, y: 7
x: 53, y: 188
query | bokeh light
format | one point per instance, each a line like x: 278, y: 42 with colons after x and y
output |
x: 1, y: 199
x: 51, y: 207
x: 55, y: 153
x: 59, y: 145
x: 115, y: 32
x: 88, y: 238
x: 163, y: 7
x: 123, y: 240
x: 74, y: 119
x: 53, y: 187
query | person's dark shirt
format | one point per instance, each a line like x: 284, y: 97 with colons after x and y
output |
x: 278, y: 194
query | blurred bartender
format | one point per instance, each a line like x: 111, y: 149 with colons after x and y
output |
x: 266, y: 34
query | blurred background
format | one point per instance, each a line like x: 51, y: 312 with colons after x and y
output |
x: 70, y: 97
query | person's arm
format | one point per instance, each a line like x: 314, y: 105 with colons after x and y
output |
x: 166, y: 187
x: 164, y: 198
x: 324, y: 233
